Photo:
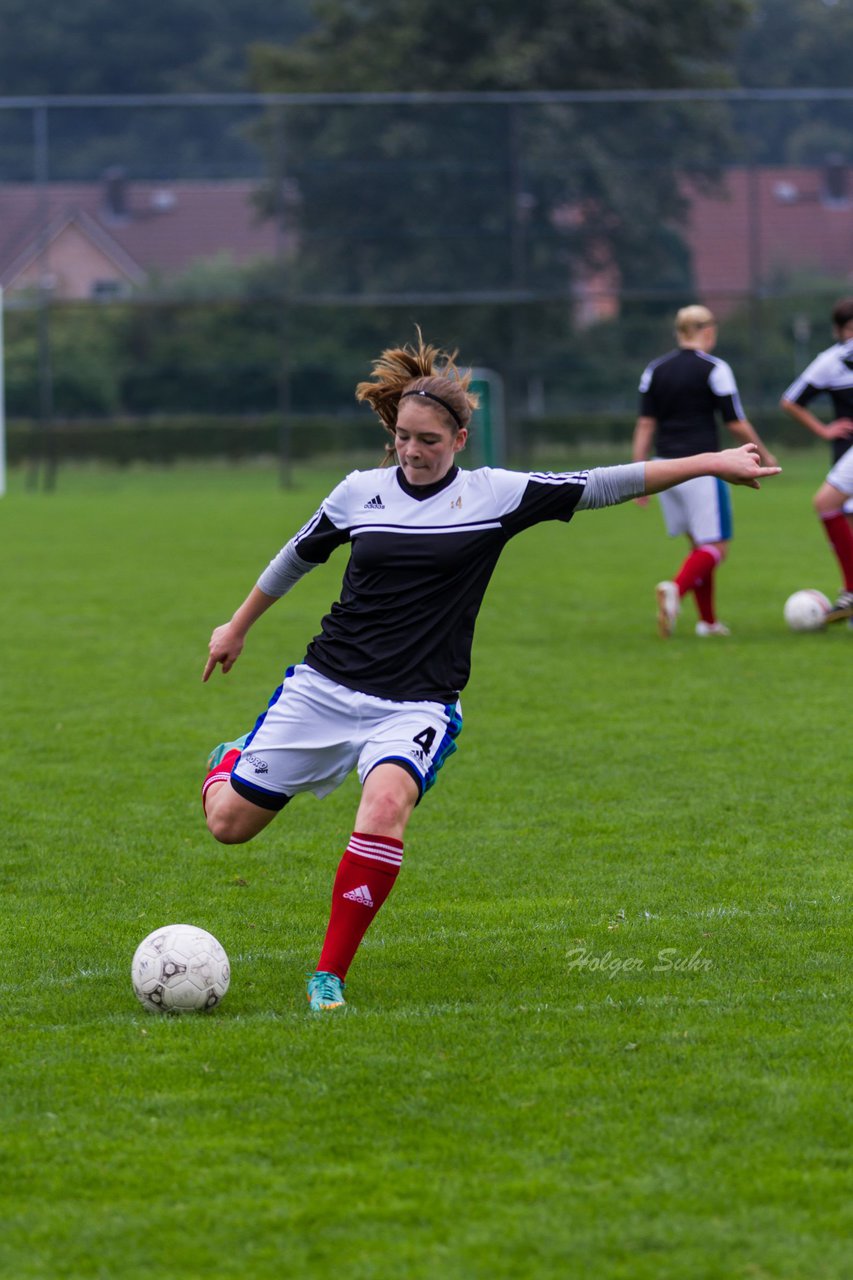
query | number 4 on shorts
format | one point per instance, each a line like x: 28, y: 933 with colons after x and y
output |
x: 425, y: 739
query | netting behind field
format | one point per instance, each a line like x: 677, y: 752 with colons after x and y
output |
x: 246, y: 256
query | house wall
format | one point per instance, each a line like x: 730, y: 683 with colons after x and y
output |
x: 73, y: 265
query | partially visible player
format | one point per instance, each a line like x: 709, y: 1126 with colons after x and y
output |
x: 831, y: 373
x: 836, y: 490
x: 378, y: 688
x: 683, y: 394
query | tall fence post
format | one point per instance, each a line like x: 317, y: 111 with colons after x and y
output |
x: 2, y: 404
x: 285, y: 444
x: 43, y: 455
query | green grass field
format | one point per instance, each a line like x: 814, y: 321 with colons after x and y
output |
x: 600, y: 1028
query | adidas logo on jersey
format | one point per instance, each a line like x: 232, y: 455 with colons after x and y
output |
x: 375, y: 504
x: 361, y: 895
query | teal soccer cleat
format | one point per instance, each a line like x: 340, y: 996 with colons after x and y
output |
x: 325, y: 991
x: 217, y: 753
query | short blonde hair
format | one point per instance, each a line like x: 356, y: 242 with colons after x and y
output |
x: 689, y: 320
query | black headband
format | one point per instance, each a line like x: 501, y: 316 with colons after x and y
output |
x: 430, y: 396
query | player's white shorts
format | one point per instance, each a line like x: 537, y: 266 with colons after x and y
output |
x: 701, y: 508
x: 841, y: 475
x: 315, y: 732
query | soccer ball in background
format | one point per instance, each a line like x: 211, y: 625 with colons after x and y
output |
x: 807, y: 610
x: 180, y: 968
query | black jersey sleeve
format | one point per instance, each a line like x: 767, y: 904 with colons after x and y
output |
x: 328, y: 528
x: 546, y: 496
x: 316, y: 542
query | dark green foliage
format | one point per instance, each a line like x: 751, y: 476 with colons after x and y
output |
x: 191, y: 378
x: 163, y: 46
x: 171, y: 439
x: 473, y: 198
x: 545, y: 44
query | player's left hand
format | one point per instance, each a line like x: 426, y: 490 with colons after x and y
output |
x: 839, y: 429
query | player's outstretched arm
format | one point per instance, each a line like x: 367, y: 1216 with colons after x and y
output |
x: 737, y: 466
x: 226, y: 643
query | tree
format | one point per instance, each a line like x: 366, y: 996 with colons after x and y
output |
x: 800, y: 44
x: 481, y: 196
x: 163, y: 46
x: 97, y: 47
x: 796, y: 44
x: 370, y: 45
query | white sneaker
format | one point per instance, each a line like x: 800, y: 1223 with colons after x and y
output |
x: 669, y: 604
x: 712, y: 629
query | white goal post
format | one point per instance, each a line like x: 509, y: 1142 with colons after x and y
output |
x: 2, y: 406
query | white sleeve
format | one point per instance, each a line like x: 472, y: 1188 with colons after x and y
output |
x: 722, y: 380
x: 814, y: 375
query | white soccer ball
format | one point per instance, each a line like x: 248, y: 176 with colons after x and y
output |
x: 181, y: 968
x: 807, y: 610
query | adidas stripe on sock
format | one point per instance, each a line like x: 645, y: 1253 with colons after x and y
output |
x: 365, y: 877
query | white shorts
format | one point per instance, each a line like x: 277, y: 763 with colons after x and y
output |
x: 315, y: 732
x: 841, y: 475
x: 701, y: 508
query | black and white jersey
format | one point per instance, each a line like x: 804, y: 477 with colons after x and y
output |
x: 686, y: 392
x: 830, y: 372
x: 420, y: 560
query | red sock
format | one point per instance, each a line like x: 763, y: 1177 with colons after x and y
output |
x: 705, y: 598
x: 841, y: 537
x: 366, y: 876
x: 221, y: 772
x: 701, y: 562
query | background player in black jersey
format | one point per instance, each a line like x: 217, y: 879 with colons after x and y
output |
x: 378, y: 688
x: 831, y: 373
x: 682, y: 396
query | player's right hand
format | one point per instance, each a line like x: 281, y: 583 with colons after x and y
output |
x: 838, y: 429
x: 226, y: 645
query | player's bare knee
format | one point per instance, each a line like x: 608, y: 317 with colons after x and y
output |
x: 230, y: 824
x: 224, y: 829
x: 385, y: 811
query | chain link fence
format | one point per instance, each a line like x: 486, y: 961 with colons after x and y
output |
x: 188, y: 273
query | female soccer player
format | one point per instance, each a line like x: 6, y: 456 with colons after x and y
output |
x: 378, y: 688
x: 831, y: 373
x: 681, y: 396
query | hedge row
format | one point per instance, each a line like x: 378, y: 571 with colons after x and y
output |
x: 164, y: 440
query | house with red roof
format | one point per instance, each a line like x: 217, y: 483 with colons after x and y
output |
x: 97, y: 240
x: 765, y: 224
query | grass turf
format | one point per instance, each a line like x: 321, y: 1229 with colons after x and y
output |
x: 599, y: 1029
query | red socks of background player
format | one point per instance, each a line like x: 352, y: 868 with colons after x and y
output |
x: 841, y: 537
x: 366, y: 876
x: 697, y: 574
